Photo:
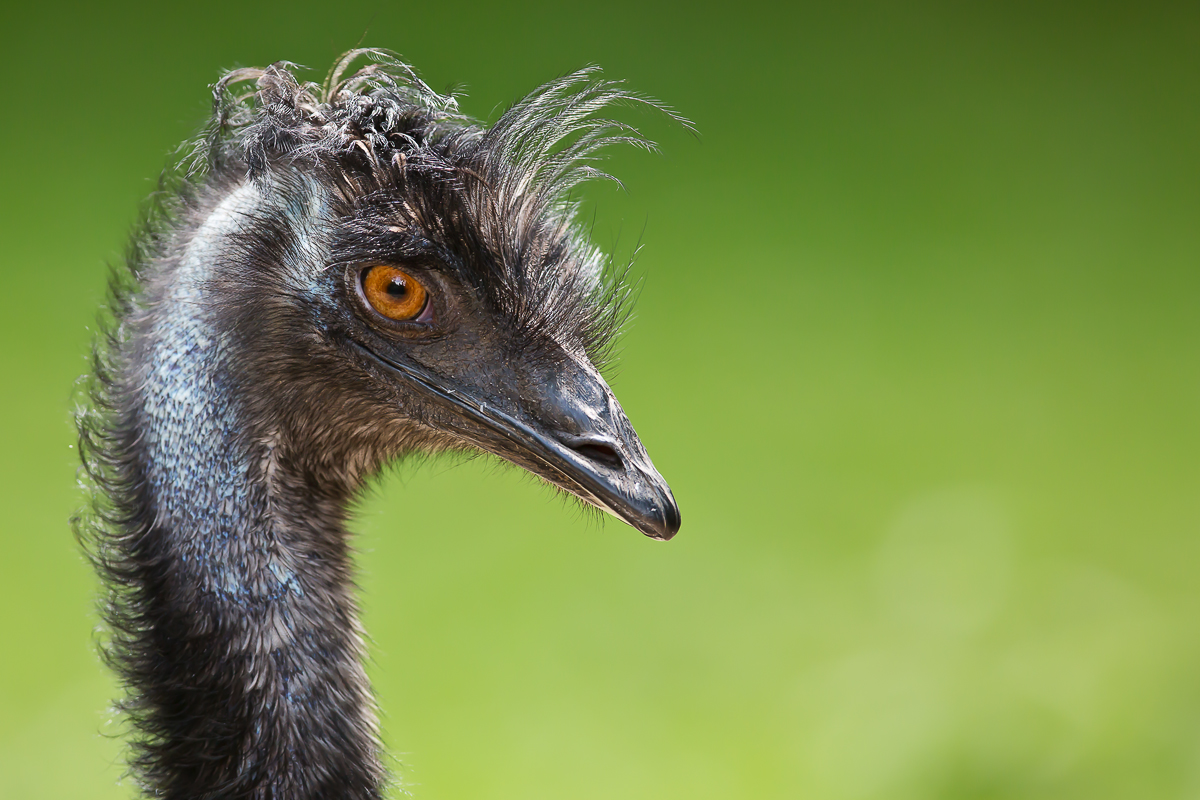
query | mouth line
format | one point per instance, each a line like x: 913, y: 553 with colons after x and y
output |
x: 564, y: 474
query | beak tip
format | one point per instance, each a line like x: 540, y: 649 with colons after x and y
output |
x: 667, y: 525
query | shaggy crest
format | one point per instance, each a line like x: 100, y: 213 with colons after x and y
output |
x: 498, y: 200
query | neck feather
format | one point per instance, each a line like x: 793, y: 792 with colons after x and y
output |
x: 241, y: 643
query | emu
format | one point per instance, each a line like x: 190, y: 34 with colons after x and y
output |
x: 336, y: 276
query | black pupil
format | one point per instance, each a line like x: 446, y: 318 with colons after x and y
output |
x: 397, y: 287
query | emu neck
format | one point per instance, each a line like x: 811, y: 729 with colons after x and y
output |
x: 251, y: 685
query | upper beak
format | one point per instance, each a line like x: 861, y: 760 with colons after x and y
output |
x: 568, y: 428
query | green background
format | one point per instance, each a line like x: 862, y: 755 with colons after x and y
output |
x: 917, y: 351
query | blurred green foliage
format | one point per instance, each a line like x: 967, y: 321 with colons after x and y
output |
x: 917, y: 350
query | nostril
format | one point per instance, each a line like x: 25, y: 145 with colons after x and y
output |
x: 600, y: 452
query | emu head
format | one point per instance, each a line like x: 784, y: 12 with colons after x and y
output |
x: 401, y: 279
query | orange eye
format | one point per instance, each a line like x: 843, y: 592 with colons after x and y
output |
x: 394, y: 293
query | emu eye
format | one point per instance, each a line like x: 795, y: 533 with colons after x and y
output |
x: 394, y: 293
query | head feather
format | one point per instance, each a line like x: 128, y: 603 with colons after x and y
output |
x: 500, y: 198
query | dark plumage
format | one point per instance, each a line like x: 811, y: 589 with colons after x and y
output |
x: 258, y: 369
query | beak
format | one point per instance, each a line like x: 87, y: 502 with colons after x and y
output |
x: 567, y: 428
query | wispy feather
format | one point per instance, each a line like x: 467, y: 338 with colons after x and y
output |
x: 502, y: 197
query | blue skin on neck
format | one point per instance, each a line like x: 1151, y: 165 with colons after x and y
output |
x: 238, y: 566
x: 198, y: 462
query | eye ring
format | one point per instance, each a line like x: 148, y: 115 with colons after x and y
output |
x: 395, y: 294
